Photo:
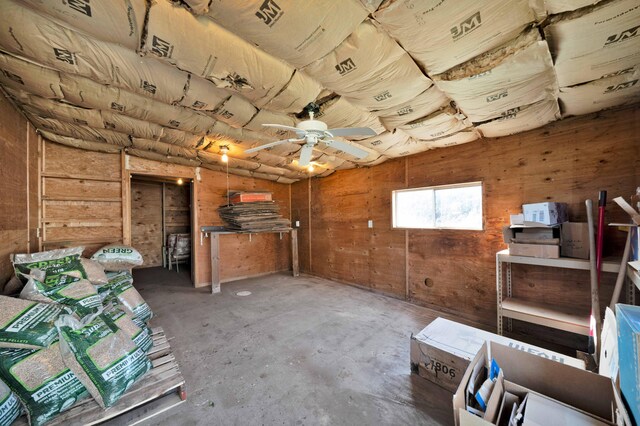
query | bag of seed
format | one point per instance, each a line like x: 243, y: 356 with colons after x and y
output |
x: 141, y: 336
x: 27, y: 324
x: 95, y: 272
x: 53, y: 262
x: 121, y: 286
x: 10, y: 408
x: 41, y: 380
x: 117, y: 257
x: 105, y: 360
x: 77, y: 293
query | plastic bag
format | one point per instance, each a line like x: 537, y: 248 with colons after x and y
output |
x: 42, y: 381
x: 121, y: 286
x: 27, y: 324
x: 140, y: 334
x: 95, y: 272
x: 77, y: 293
x: 54, y: 262
x: 10, y: 407
x: 105, y: 360
x: 116, y: 257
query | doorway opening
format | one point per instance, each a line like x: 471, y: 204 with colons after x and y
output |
x: 161, y: 225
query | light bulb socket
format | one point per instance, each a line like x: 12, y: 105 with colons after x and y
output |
x: 223, y: 150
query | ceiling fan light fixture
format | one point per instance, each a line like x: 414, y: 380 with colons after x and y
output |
x: 310, y: 168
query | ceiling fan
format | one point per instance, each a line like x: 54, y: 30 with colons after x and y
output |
x: 313, y: 132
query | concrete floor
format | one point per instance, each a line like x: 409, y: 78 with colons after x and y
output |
x: 297, y: 351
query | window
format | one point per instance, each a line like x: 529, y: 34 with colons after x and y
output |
x: 439, y: 207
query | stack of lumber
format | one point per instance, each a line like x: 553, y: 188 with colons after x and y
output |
x: 258, y: 215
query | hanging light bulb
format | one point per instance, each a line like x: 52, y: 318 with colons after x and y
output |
x: 180, y: 181
x: 223, y: 150
x: 310, y: 168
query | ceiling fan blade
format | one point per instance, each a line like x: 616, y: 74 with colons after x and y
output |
x: 305, y: 155
x: 345, y: 147
x: 270, y: 144
x: 352, y: 131
x: 282, y: 126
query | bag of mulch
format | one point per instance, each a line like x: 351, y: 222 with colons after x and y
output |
x: 141, y: 335
x: 27, y: 324
x: 117, y: 257
x: 13, y: 286
x: 77, y: 293
x: 121, y: 286
x: 54, y: 262
x: 42, y: 381
x: 105, y: 360
x: 10, y: 407
x: 95, y: 272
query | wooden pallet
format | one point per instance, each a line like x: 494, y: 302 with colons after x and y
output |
x: 159, y: 390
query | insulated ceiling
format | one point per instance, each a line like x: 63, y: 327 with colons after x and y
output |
x: 174, y: 81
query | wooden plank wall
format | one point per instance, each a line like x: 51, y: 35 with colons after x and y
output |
x: 81, y: 198
x: 454, y: 271
x: 240, y: 257
x: 18, y: 186
x: 146, y: 221
x: 177, y: 208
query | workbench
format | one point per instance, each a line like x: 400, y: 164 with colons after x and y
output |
x: 214, y: 233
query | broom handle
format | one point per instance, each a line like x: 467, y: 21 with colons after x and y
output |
x: 595, y: 297
x: 602, y: 202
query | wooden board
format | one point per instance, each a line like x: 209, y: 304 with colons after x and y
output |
x: 163, y: 380
x: 177, y: 210
x: 17, y: 178
x: 146, y: 221
x: 80, y: 205
x: 62, y: 160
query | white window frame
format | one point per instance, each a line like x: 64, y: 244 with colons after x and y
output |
x: 436, y: 188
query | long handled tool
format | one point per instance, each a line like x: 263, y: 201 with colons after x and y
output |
x: 622, y: 273
x: 602, y: 203
x: 594, y: 320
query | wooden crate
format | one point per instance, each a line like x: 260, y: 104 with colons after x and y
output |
x: 161, y: 389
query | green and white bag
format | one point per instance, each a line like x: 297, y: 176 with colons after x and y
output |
x: 121, y: 286
x: 117, y: 257
x: 42, y: 381
x: 27, y: 324
x: 105, y: 360
x: 95, y: 272
x: 54, y: 262
x: 10, y: 407
x: 77, y: 293
x: 141, y: 336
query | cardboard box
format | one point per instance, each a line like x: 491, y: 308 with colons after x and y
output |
x: 531, y: 235
x: 629, y: 356
x: 442, y: 351
x: 544, y: 251
x: 571, y: 389
x: 575, y: 240
x: 545, y: 213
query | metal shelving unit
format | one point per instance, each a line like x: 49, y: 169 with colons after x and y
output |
x: 559, y: 317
